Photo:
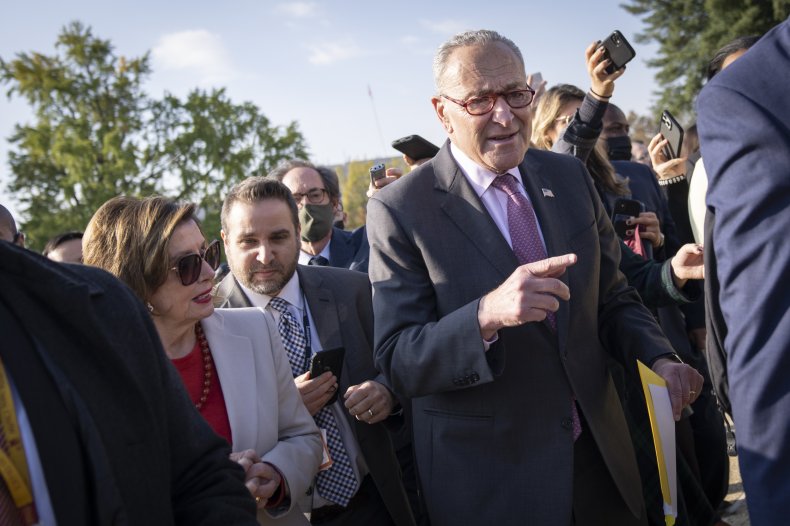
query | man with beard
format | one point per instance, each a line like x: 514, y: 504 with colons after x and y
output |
x: 318, y: 308
x: 316, y: 190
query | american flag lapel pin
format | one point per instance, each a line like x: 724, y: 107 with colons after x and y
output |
x: 547, y: 192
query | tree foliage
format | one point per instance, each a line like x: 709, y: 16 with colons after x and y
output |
x: 96, y: 134
x: 689, y: 32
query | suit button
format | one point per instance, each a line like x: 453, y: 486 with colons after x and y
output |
x: 567, y: 423
x: 475, y: 377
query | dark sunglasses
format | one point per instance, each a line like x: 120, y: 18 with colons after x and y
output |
x: 188, y: 267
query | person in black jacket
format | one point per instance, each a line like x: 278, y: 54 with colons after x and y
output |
x: 109, y: 434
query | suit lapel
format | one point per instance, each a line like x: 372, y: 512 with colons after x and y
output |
x: 552, y: 218
x: 464, y: 208
x: 235, y: 362
x: 323, y: 307
x: 229, y: 294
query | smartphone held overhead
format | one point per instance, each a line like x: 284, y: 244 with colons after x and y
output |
x: 415, y: 147
x: 618, y: 50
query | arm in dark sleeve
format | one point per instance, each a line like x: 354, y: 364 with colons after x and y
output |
x: 653, y: 280
x: 582, y: 133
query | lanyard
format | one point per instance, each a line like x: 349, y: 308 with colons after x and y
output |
x: 13, y: 463
x: 306, y: 327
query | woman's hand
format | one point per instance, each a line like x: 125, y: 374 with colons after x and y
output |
x: 665, y: 168
x: 601, y: 82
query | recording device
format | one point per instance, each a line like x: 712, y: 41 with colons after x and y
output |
x: 415, y: 147
x: 328, y: 360
x: 537, y: 78
x: 377, y: 171
x: 671, y: 130
x: 618, y: 50
x: 625, y: 209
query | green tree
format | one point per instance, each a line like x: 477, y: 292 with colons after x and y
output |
x: 207, y: 144
x: 96, y: 134
x: 689, y: 32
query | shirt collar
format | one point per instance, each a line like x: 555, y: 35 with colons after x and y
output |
x: 304, y: 257
x: 479, y: 177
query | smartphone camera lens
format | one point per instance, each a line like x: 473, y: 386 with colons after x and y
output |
x: 616, y: 39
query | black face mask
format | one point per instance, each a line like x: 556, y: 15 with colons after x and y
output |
x: 619, y: 148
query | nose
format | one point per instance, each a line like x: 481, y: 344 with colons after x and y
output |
x: 502, y: 113
x: 264, y: 254
x: 206, y: 272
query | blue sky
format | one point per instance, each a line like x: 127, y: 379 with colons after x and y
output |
x: 312, y: 62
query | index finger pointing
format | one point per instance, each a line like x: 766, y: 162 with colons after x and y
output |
x: 551, y: 267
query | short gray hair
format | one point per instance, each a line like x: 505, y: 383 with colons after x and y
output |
x: 479, y: 37
x: 328, y: 176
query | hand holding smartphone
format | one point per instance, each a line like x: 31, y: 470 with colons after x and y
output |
x: 618, y: 50
x: 328, y: 360
x: 377, y: 171
x: 672, y: 131
x: 624, y: 209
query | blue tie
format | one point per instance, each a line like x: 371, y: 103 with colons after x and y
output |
x: 338, y: 483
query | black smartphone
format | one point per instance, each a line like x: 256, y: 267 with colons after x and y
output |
x: 672, y: 131
x: 618, y: 50
x: 328, y: 360
x: 415, y: 147
x: 625, y: 209
x: 377, y: 171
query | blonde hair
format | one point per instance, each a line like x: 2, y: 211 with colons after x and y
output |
x: 130, y: 237
x: 546, y: 115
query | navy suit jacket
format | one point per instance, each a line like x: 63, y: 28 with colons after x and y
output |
x: 744, y: 128
x: 349, y: 249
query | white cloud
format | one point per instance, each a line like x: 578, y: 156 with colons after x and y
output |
x: 409, y: 40
x: 444, y: 27
x: 297, y: 9
x: 195, y: 51
x: 331, y: 52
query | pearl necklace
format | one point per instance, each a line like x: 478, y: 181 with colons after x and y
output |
x: 207, y: 366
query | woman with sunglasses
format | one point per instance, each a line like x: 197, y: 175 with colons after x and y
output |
x: 231, y: 361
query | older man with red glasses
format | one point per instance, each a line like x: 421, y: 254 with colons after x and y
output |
x: 497, y: 302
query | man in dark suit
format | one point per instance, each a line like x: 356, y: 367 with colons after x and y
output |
x: 516, y: 419
x: 331, y: 308
x: 745, y: 141
x: 109, y: 434
x: 317, y: 193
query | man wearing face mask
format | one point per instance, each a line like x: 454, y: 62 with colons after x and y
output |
x: 317, y: 193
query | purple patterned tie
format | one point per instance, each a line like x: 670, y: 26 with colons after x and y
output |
x: 528, y: 247
x: 338, y: 483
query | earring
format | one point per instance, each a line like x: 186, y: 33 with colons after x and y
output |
x: 150, y: 307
